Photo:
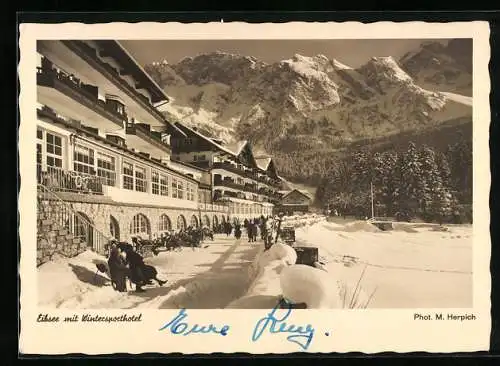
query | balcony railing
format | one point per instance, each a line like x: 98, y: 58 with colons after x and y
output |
x: 213, y: 207
x: 80, y: 92
x: 57, y: 179
x: 144, y: 131
x: 84, y: 50
x: 251, y: 188
x: 243, y: 173
x: 228, y: 183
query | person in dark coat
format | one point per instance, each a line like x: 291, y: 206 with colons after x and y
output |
x: 250, y: 231
x: 237, y: 231
x: 254, y: 232
x: 140, y: 273
x: 117, y: 269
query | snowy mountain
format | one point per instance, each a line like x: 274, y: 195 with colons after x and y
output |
x: 314, y: 103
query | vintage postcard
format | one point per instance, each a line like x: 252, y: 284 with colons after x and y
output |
x: 258, y: 188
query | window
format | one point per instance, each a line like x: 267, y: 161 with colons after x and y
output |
x: 159, y: 184
x: 177, y: 188
x: 140, y: 179
x: 128, y: 176
x: 164, y: 224
x: 190, y: 192
x: 54, y: 150
x: 49, y: 149
x: 83, y: 160
x: 106, y: 168
x: 139, y: 225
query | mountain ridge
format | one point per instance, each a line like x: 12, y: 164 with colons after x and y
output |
x: 313, y: 102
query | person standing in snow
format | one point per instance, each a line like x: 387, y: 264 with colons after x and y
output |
x: 237, y: 231
x: 254, y: 231
x: 249, y: 231
x: 117, y: 268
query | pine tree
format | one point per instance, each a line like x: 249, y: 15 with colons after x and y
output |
x: 408, y: 181
x: 429, y: 181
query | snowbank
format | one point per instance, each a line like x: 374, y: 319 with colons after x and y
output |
x: 277, y: 275
x: 265, y: 289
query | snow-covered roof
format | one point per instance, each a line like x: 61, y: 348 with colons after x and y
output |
x: 263, y: 162
x: 237, y: 146
x: 302, y: 191
x: 206, y: 138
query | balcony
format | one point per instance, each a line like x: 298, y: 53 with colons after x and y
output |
x: 61, y: 180
x: 140, y: 137
x: 213, y: 207
x: 226, y: 182
x: 234, y: 169
x: 76, y: 100
x: 90, y: 55
x: 251, y: 188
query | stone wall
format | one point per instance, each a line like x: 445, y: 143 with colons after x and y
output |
x: 100, y: 215
x: 52, y: 238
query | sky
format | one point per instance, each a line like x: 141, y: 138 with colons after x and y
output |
x: 353, y: 53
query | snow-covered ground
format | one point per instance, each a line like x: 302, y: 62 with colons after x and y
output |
x: 209, y: 277
x: 414, y: 266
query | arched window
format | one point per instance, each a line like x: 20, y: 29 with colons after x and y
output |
x: 114, y: 227
x: 82, y: 229
x: 215, y: 221
x: 181, y: 222
x: 206, y: 221
x: 194, y: 221
x: 223, y: 219
x: 164, y: 224
x: 140, y: 226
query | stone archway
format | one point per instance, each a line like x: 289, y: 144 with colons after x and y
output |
x: 194, y: 222
x: 114, y: 227
x: 206, y: 221
x: 181, y: 222
x: 140, y: 226
x: 164, y: 224
x: 81, y: 227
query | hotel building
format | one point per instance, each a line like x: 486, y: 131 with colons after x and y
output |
x: 104, y: 165
x: 248, y: 185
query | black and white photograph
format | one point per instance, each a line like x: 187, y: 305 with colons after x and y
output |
x: 246, y: 174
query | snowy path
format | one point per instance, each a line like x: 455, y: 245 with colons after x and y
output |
x: 209, y: 277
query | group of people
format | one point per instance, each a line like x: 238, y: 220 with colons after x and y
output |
x: 125, y: 262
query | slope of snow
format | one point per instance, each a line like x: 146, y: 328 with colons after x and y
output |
x: 398, y: 265
x: 462, y: 99
x: 391, y: 67
x: 306, y: 66
x: 340, y: 66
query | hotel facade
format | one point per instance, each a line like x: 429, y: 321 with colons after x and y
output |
x: 109, y: 165
x: 103, y: 153
x: 247, y: 184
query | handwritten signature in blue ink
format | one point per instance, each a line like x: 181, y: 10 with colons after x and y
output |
x: 275, y: 324
x: 177, y: 326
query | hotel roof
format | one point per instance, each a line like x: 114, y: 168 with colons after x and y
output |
x: 117, y: 51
